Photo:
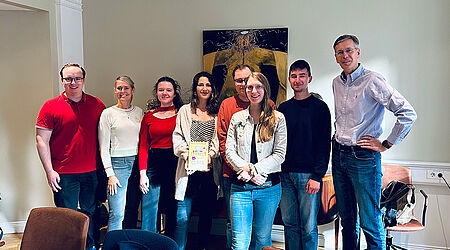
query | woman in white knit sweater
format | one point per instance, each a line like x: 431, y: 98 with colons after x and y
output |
x: 118, y: 135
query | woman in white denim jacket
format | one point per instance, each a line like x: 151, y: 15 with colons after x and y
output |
x: 197, y: 121
x: 255, y: 147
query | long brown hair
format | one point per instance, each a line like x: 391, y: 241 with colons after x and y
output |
x: 212, y: 106
x: 267, y: 118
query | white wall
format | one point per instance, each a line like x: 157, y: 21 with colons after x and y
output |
x: 26, y: 82
x: 33, y: 44
x: 406, y: 41
x: 50, y: 24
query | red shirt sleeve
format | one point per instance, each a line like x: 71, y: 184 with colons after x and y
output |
x: 144, y: 143
x: 222, y: 128
x: 45, y: 118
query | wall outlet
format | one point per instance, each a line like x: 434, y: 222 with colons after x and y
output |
x: 433, y: 174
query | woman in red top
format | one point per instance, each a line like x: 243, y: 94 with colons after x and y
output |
x: 157, y: 162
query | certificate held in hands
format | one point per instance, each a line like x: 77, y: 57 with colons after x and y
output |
x: 198, y: 156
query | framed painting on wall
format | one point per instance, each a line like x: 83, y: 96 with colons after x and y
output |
x: 263, y: 49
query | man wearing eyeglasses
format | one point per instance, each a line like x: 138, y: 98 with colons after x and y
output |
x: 66, y: 140
x: 360, y: 98
x: 228, y: 107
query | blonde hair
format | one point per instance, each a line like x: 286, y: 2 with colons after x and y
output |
x: 267, y: 118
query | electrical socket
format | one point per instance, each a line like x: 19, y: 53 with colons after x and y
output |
x: 433, y: 174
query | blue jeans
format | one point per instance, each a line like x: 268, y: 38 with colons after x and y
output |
x: 122, y: 167
x: 184, y: 209
x: 226, y: 193
x: 299, y: 211
x: 79, y: 188
x: 357, y: 182
x: 202, y: 194
x: 252, y: 214
x: 150, y: 202
x: 161, y: 174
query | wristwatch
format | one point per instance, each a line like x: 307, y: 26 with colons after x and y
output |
x: 385, y: 144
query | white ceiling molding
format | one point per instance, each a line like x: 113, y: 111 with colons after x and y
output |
x: 6, y: 6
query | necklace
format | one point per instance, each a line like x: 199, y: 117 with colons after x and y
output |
x: 127, y: 111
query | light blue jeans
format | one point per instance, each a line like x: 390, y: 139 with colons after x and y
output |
x: 357, y: 182
x: 202, y: 194
x: 122, y: 167
x: 184, y: 209
x: 161, y: 174
x: 150, y: 203
x: 299, y: 211
x: 252, y: 215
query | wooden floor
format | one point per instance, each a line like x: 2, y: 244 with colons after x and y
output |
x: 12, y: 241
x: 218, y: 242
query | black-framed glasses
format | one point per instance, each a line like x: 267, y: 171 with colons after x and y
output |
x: 70, y: 79
x: 341, y: 52
x: 240, y: 80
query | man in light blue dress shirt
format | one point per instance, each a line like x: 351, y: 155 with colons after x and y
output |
x: 360, y: 97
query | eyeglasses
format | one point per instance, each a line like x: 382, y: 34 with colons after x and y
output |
x: 348, y: 51
x: 70, y: 79
x: 257, y: 87
x: 240, y: 80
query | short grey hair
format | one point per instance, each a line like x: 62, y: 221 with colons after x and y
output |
x: 346, y: 37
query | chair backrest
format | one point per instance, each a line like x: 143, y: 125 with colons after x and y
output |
x: 137, y: 239
x: 395, y: 172
x: 328, y: 207
x: 55, y: 228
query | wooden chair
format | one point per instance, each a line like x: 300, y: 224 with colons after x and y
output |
x: 55, y: 228
x: 328, y: 211
x: 403, y: 174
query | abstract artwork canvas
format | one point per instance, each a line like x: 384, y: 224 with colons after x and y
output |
x: 263, y: 49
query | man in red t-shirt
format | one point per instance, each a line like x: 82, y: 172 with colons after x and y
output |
x: 66, y: 140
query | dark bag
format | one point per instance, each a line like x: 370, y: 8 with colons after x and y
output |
x: 398, y: 200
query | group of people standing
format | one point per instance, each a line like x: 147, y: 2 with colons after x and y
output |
x: 159, y: 143
x: 259, y: 157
